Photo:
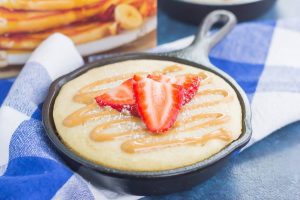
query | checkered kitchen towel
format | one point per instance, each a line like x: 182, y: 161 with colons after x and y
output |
x: 263, y: 57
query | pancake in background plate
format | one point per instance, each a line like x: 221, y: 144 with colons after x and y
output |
x: 79, y: 33
x: 207, y: 124
x: 45, y: 4
x: 23, y: 30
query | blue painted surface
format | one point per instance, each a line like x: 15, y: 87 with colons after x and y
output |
x: 268, y: 170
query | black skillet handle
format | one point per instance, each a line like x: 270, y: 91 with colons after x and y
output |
x: 204, y: 40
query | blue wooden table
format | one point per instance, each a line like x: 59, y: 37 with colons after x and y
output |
x: 268, y: 170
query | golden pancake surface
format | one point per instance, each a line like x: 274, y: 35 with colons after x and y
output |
x: 206, y: 125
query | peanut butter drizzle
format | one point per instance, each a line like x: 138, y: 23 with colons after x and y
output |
x: 87, y: 113
x: 215, y: 119
x: 205, y: 79
x: 225, y: 98
x: 91, y: 111
x: 148, y: 144
x: 98, y: 135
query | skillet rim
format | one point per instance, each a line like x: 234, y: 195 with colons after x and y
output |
x: 48, y: 122
x: 222, y: 5
x: 239, y: 3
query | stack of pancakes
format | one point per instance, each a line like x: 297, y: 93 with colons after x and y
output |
x: 25, y: 23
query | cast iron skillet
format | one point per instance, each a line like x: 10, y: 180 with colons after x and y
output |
x: 192, y: 11
x: 167, y: 181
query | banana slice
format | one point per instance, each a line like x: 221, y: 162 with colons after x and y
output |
x: 113, y: 29
x: 128, y: 16
x: 3, y: 59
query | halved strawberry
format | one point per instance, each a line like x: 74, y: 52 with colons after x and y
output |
x: 189, y: 82
x: 158, y: 103
x: 119, y: 98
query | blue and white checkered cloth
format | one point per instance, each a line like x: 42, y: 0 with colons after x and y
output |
x: 263, y: 57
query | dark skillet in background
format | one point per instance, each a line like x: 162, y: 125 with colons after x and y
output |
x: 192, y: 11
x: 167, y: 181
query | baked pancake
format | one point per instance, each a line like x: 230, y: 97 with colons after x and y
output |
x: 204, y: 126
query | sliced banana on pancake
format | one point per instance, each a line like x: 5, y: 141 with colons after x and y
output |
x: 128, y: 16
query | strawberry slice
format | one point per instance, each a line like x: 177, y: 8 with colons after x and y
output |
x: 189, y: 82
x: 158, y: 103
x: 119, y: 98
